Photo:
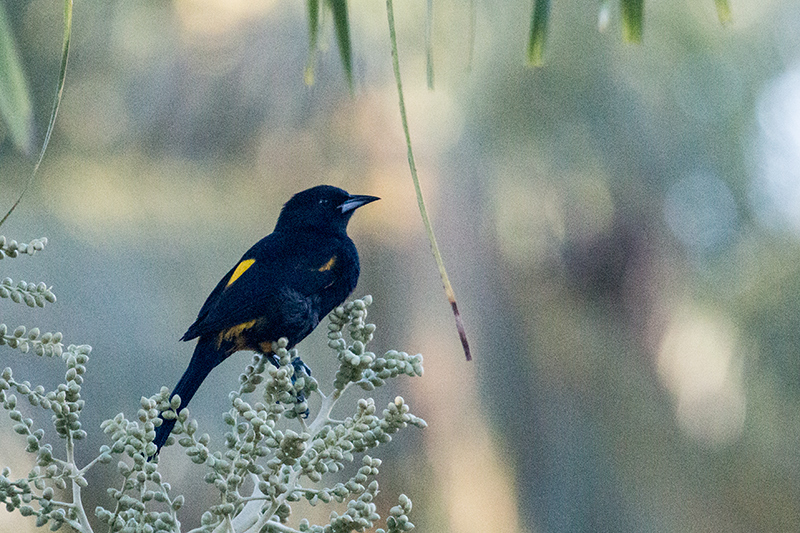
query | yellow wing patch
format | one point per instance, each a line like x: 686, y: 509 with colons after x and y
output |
x: 240, y: 269
x: 329, y: 265
x: 233, y: 334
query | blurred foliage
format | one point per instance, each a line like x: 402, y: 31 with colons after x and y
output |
x: 623, y: 221
x: 632, y: 20
x: 541, y: 13
x: 341, y: 23
x: 15, y: 105
x: 16, y: 110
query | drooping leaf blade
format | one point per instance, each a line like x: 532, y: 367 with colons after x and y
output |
x: 429, y: 44
x: 539, y: 20
x: 632, y: 20
x: 313, y: 37
x: 342, y: 26
x: 62, y: 75
x: 16, y: 108
x: 473, y: 15
x: 724, y: 11
x: 604, y: 15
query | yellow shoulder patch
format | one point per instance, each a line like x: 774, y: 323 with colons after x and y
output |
x: 329, y: 265
x: 240, y: 269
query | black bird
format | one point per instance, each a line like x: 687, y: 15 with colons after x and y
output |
x: 281, y: 287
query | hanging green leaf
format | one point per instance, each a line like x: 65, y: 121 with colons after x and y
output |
x: 632, y: 20
x: 724, y: 11
x: 473, y: 15
x: 342, y: 26
x: 429, y: 44
x: 604, y: 15
x: 62, y: 75
x: 16, y: 109
x: 313, y: 37
x: 539, y: 19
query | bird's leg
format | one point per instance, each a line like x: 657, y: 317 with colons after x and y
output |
x: 299, y: 366
x: 299, y: 369
x: 272, y: 358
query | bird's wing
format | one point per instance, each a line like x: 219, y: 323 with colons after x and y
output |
x: 275, y: 278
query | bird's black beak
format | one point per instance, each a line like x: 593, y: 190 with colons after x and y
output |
x: 355, y: 201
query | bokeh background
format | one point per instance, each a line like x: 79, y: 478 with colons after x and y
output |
x: 622, y: 229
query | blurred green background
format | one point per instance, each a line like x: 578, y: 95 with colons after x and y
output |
x: 622, y: 229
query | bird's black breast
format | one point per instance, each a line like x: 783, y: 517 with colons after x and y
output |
x: 341, y: 270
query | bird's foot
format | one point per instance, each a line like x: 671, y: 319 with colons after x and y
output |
x: 300, y: 366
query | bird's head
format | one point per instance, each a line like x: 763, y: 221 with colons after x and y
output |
x: 321, y: 208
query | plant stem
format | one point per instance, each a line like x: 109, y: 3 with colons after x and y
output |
x: 85, y: 527
x: 423, y: 211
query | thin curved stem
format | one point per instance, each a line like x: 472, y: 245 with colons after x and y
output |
x: 56, y: 101
x: 423, y: 211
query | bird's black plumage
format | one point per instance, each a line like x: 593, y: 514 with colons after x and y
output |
x: 281, y: 287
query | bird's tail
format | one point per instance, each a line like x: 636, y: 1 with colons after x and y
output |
x: 206, y: 356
